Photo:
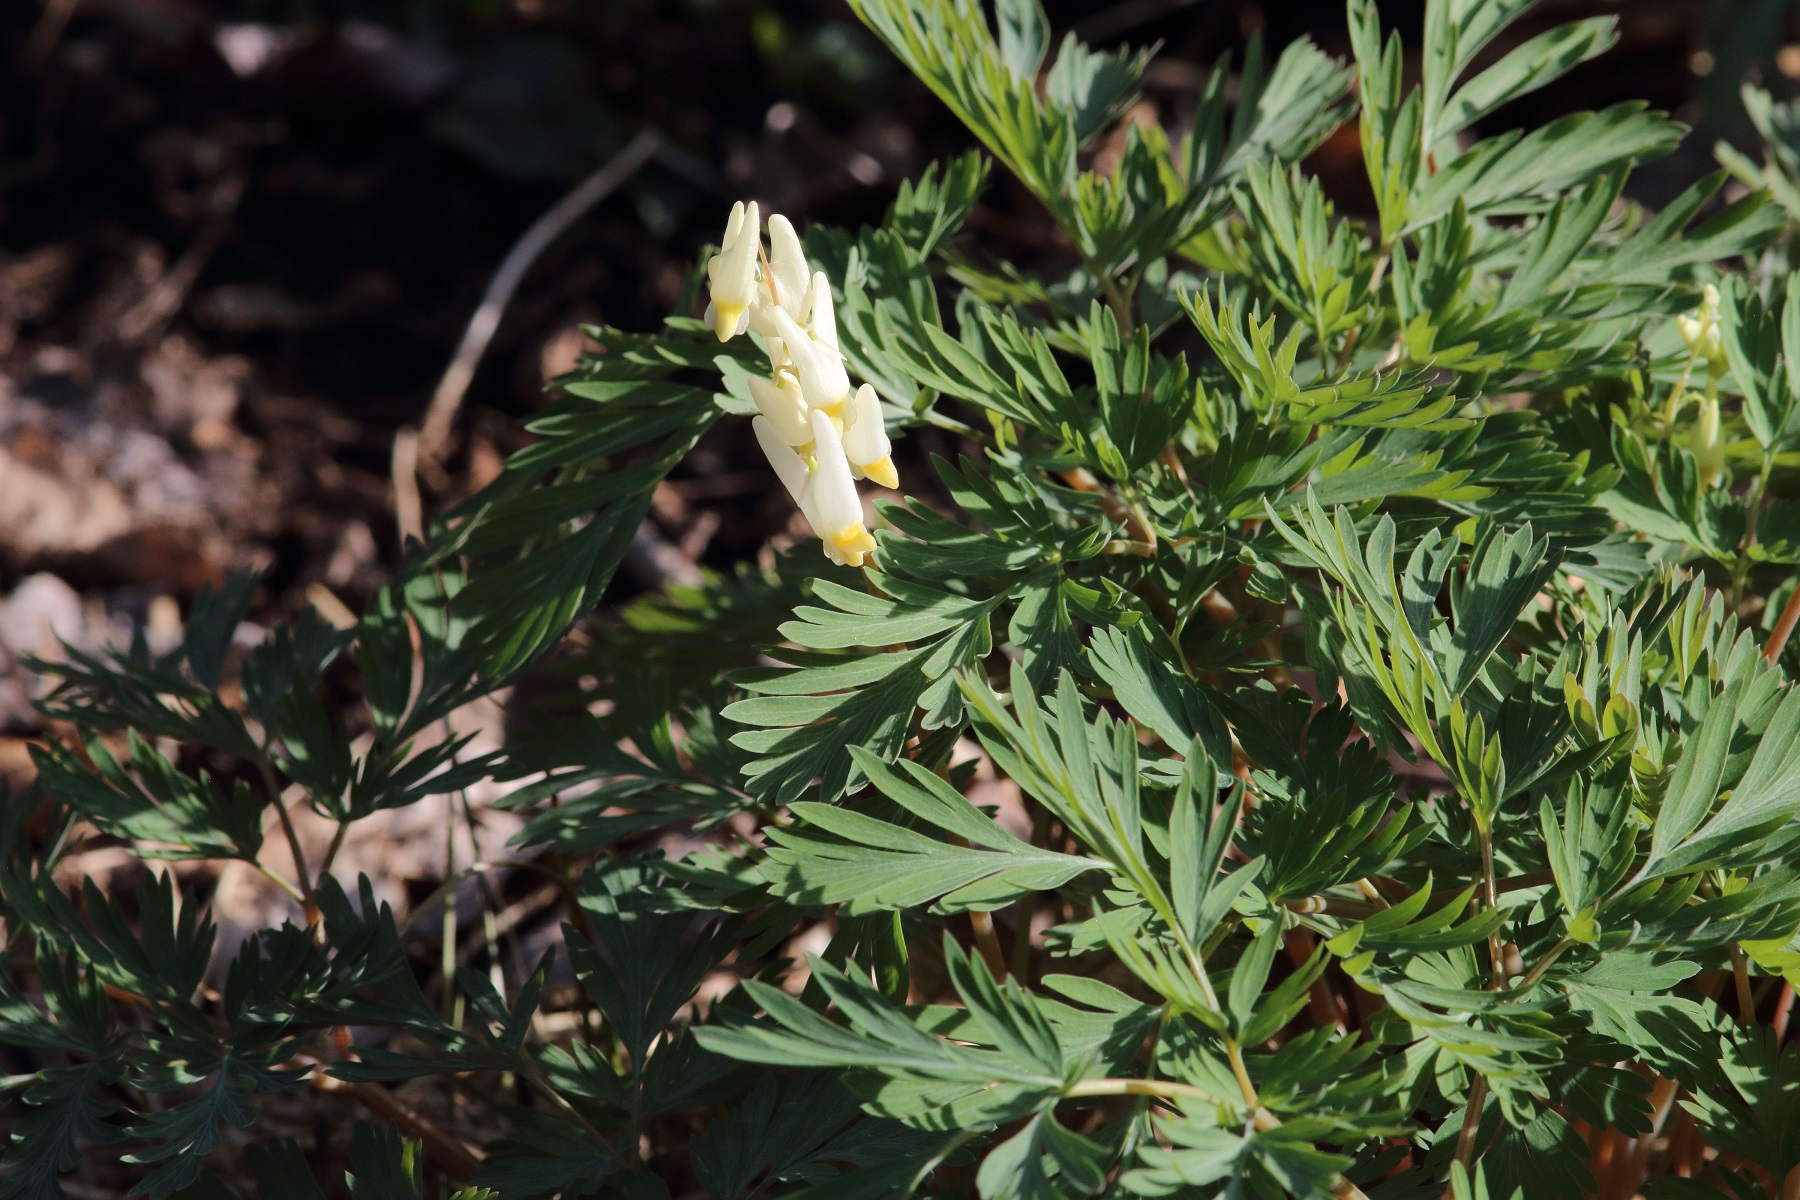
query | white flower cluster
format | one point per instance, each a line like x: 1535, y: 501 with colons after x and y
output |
x: 1700, y: 328
x: 1700, y: 332
x: 820, y: 437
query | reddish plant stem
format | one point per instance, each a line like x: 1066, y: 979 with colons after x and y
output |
x: 1740, y: 977
x: 988, y: 942
x: 1471, y: 1125
x: 1323, y: 1003
x: 457, y: 1159
x: 1784, y: 628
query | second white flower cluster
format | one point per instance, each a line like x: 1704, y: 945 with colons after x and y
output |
x: 1700, y: 333
x: 819, y: 435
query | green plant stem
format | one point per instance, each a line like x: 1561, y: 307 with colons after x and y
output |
x: 1215, y: 939
x: 988, y: 942
x: 1490, y: 897
x: 1140, y: 520
x: 936, y: 1160
x: 1478, y: 1087
x: 533, y: 1073
x: 1376, y: 274
x: 1740, y: 967
x: 1167, y: 1089
x: 1116, y: 300
x: 287, y: 828
x: 1127, y: 546
x: 331, y: 851
x: 1027, y: 911
x: 1320, y: 904
x: 937, y: 420
x: 1378, y: 270
x: 1740, y: 978
x: 1536, y: 973
x: 1740, y: 568
x: 447, y: 923
x: 494, y: 906
x: 281, y: 883
x: 1670, y: 410
x: 54, y: 851
x: 1234, y: 1053
x: 1471, y: 1124
x: 273, y: 789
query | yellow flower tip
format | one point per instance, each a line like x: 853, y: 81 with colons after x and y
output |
x: 850, y: 545
x: 726, y: 318
x: 882, y: 471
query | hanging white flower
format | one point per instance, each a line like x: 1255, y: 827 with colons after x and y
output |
x: 784, y: 284
x: 732, y: 273
x: 866, y: 441
x: 817, y: 364
x: 821, y: 486
x: 830, y: 501
x: 782, y: 404
x: 790, y: 468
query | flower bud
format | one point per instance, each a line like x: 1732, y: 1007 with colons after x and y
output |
x: 1583, y: 929
x: 1691, y: 332
x: 1700, y: 331
x: 1704, y: 442
x: 732, y: 273
x: 1711, y: 349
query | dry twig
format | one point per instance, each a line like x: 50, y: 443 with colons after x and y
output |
x: 459, y: 1160
x: 435, y: 431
